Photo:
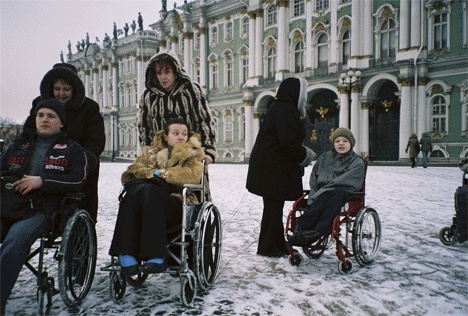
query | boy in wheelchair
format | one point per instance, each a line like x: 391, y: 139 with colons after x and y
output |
x: 151, y: 200
x: 38, y: 169
x: 335, y: 174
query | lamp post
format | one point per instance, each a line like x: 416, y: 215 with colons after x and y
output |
x: 347, y: 81
x: 113, y: 113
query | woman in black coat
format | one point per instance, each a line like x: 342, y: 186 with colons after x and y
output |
x: 277, y: 162
x: 85, y: 124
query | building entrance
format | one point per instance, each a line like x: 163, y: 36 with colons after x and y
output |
x: 384, y: 116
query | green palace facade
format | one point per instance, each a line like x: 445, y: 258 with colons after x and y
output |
x: 384, y: 69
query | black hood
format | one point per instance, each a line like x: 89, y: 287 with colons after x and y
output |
x: 63, y: 72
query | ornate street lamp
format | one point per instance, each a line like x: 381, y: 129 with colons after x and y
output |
x: 348, y: 80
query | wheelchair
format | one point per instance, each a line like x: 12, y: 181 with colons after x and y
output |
x: 454, y: 233
x: 362, y: 228
x: 72, y: 238
x: 194, y: 249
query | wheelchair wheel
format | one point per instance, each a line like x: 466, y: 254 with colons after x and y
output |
x: 345, y: 267
x: 448, y: 236
x: 77, y: 262
x: 207, y: 245
x: 117, y: 286
x: 137, y: 280
x: 188, y: 289
x: 295, y: 259
x: 367, y: 233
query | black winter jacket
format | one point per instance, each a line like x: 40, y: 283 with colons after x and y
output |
x: 64, y: 170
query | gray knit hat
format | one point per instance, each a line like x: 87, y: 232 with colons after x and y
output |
x: 53, y: 105
x: 346, y: 133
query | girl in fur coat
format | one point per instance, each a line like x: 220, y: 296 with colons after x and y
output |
x: 152, y: 201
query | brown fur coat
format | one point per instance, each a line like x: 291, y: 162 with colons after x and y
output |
x: 183, y: 164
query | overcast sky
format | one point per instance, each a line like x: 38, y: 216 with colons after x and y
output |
x: 34, y: 32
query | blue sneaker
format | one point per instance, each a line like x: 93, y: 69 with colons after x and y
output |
x: 129, y: 265
x: 155, y: 265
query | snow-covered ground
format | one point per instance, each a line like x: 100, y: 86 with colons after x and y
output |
x: 413, y: 274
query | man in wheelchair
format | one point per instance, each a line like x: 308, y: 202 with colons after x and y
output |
x: 151, y: 200
x: 335, y: 174
x: 37, y: 170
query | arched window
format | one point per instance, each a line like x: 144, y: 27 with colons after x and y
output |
x: 197, y: 40
x: 388, y: 39
x: 228, y: 129
x: 299, y: 57
x: 271, y: 63
x: 228, y: 31
x: 244, y: 66
x: 322, y: 51
x: 272, y: 15
x: 346, y: 47
x: 214, y: 35
x: 439, y: 114
x: 245, y: 26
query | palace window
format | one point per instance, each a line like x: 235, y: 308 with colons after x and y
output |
x: 322, y: 51
x: 245, y: 26
x: 322, y: 5
x: 440, y: 31
x: 244, y: 66
x: 271, y: 63
x: 298, y: 8
x: 228, y: 129
x: 439, y: 114
x: 388, y: 41
x: 214, y: 35
x: 214, y: 76
x: 299, y: 57
x: 346, y: 47
x: 272, y: 15
x: 228, y: 31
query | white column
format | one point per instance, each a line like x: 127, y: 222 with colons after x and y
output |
x: 344, y: 109
x: 95, y: 83
x: 282, y: 46
x: 423, y: 110
x: 364, y: 142
x: 405, y: 116
x: 203, y: 57
x: 115, y: 82
x: 258, y: 44
x: 249, y: 137
x: 105, y: 85
x: 308, y: 42
x: 256, y: 126
x: 355, y: 29
x: 367, y: 31
x: 252, y: 54
x: 355, y: 121
x: 334, y: 42
x: 86, y: 82
x: 404, y: 24
x: 415, y: 23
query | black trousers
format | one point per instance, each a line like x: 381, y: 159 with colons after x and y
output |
x: 90, y: 201
x: 145, y: 212
x: 271, y: 237
x: 319, y: 216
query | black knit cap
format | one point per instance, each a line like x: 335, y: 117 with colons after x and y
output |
x: 53, y: 105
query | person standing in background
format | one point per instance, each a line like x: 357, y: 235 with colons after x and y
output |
x: 413, y: 146
x: 277, y: 162
x: 426, y: 148
x: 85, y: 124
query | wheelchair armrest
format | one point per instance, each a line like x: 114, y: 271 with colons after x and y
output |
x: 193, y: 186
x: 353, y: 196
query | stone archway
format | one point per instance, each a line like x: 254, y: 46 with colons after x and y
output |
x: 323, y: 117
x: 384, y: 122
